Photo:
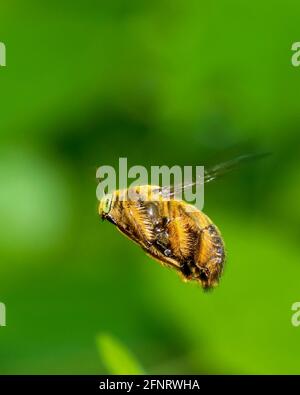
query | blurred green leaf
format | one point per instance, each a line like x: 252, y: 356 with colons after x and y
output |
x: 116, y: 357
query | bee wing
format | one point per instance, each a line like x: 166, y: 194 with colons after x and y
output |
x: 210, y: 174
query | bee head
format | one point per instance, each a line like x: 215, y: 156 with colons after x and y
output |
x: 105, y: 205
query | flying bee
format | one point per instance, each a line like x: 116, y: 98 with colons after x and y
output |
x: 171, y: 231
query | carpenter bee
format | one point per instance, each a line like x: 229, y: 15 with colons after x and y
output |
x: 171, y: 231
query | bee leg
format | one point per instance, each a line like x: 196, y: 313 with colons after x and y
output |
x: 203, y: 273
x: 165, y: 250
x: 211, y: 229
x: 162, y: 242
x: 162, y: 236
x: 217, y: 243
x: 186, y: 270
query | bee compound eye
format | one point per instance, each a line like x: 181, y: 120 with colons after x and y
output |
x: 107, y: 204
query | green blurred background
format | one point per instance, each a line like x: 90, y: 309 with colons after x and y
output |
x: 159, y: 82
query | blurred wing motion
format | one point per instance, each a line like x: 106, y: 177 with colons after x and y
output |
x: 211, y: 174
